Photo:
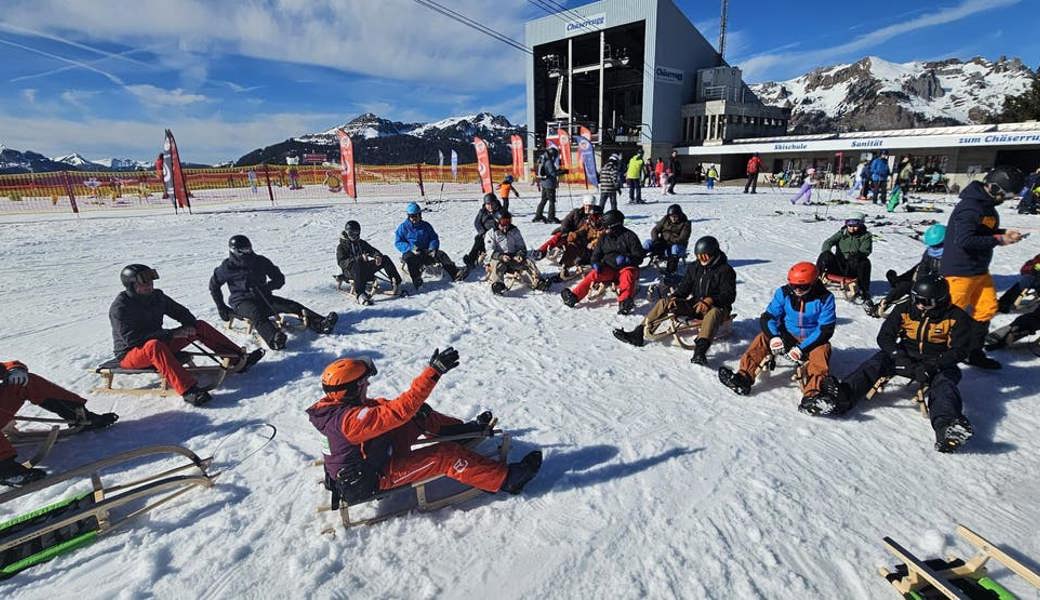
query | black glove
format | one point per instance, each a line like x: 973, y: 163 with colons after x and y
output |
x: 224, y: 312
x: 96, y: 421
x: 423, y: 412
x: 442, y: 362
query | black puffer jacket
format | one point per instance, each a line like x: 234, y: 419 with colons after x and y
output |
x: 716, y: 280
x: 246, y: 276
x: 943, y: 340
x: 615, y: 243
x: 572, y: 221
x: 349, y: 252
x: 969, y: 242
x: 485, y: 220
x: 137, y: 318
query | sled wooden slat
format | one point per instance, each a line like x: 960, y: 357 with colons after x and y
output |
x: 43, y: 449
x: 917, y: 574
x: 989, y: 550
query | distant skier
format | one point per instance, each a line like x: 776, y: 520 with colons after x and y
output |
x: 483, y: 222
x: 923, y: 341
x: 360, y: 262
x: 549, y: 173
x: 505, y: 189
x: 711, y: 177
x: 797, y: 324
x: 419, y: 246
x: 615, y: 259
x: 902, y: 284
x: 754, y: 165
x: 251, y: 280
x: 853, y: 244
x: 634, y: 178
x: 971, y: 234
x: 879, y: 173
x: 805, y: 192
x: 18, y: 386
x: 140, y: 341
x: 368, y: 441
x: 609, y: 182
x: 674, y: 170
x: 506, y: 252
x: 707, y: 291
x: 669, y: 238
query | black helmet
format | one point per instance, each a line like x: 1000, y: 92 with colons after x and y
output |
x: 1003, y: 182
x: 490, y: 198
x: 137, y: 273
x: 613, y: 218
x: 352, y: 231
x: 706, y: 245
x: 552, y: 150
x: 503, y: 215
x: 932, y: 293
x: 675, y: 209
x: 239, y: 245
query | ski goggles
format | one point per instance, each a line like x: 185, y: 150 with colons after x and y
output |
x: 802, y: 288
x: 925, y: 303
x: 242, y: 250
x: 704, y: 258
x: 146, y: 277
x: 854, y: 223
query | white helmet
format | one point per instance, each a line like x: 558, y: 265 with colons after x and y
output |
x: 588, y: 200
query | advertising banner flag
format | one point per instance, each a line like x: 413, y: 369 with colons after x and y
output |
x: 346, y: 162
x: 588, y: 161
x: 483, y: 165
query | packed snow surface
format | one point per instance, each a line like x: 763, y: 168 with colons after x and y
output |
x: 657, y: 483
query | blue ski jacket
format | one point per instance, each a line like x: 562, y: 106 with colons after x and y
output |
x: 806, y: 321
x: 416, y: 235
x: 879, y: 169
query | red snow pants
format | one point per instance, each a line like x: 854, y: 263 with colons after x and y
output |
x: 626, y: 279
x: 12, y: 397
x: 160, y: 354
x: 450, y: 459
x: 553, y: 241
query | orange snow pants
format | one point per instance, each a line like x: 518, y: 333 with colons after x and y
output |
x: 12, y: 397
x: 976, y: 294
x: 160, y: 354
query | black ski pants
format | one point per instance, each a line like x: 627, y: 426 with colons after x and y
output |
x: 635, y: 192
x: 259, y: 311
x: 604, y: 197
x: 548, y: 198
x: 415, y: 263
x: 879, y: 189
x: 671, y: 183
x: 363, y: 272
x: 852, y: 265
x: 752, y: 183
x: 471, y: 257
x: 944, y: 399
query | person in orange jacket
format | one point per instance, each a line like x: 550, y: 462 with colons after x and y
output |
x: 368, y: 441
x: 504, y: 190
x: 18, y: 385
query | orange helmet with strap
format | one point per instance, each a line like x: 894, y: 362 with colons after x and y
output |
x: 342, y: 378
x: 802, y: 274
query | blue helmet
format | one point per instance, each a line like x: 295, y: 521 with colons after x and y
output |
x: 413, y: 209
x: 934, y: 235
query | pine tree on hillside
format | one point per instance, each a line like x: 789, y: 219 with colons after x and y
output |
x: 1024, y: 107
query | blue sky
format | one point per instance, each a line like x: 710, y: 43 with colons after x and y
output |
x: 104, y: 77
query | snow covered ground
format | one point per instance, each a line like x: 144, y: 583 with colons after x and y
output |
x: 657, y: 481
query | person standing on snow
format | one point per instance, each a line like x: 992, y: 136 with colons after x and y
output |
x: 754, y: 165
x: 505, y: 189
x: 549, y: 172
x: 879, y: 172
x: 806, y: 190
x: 633, y: 176
x: 609, y: 177
x: 419, y: 246
x: 713, y: 175
x: 368, y: 441
x: 972, y: 233
x: 675, y: 168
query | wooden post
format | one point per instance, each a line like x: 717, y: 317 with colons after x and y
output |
x: 267, y: 177
x: 69, y: 191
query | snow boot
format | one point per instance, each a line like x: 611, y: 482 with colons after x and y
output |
x: 552, y: 221
x: 544, y: 283
x: 417, y: 283
x: 538, y: 219
x: 626, y: 306
x: 197, y: 396
x: 569, y: 298
x: 279, y: 341
x: 739, y: 382
x: 254, y: 357
x: 874, y: 309
x: 15, y: 474
x: 952, y: 436
x: 463, y: 273
x: 498, y: 288
x: 364, y: 299
x: 634, y: 337
x: 536, y: 255
x: 1005, y: 336
x: 700, y: 351
x: 978, y: 358
x: 1006, y: 303
x: 328, y: 323
x: 521, y: 472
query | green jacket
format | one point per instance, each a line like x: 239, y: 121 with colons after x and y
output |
x: 635, y: 168
x: 847, y: 243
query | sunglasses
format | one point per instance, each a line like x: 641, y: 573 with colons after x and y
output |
x: 853, y: 223
x: 802, y: 288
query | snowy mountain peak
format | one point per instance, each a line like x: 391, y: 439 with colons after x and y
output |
x: 370, y: 126
x: 873, y: 93
x: 75, y: 159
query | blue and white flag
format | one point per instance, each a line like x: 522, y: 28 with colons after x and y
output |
x: 588, y: 160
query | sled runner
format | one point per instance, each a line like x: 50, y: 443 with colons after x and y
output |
x: 954, y: 577
x: 1008, y: 335
x: 768, y: 365
x: 920, y: 396
x: 283, y: 321
x: 840, y: 283
x: 683, y: 329
x: 63, y: 526
x: 429, y: 271
x: 379, y: 285
x: 43, y: 439
x: 422, y: 502
x: 208, y: 376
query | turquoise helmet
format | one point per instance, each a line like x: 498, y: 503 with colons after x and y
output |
x: 934, y: 235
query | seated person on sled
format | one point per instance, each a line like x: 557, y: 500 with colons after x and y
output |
x: 506, y: 252
x: 922, y: 341
x: 419, y: 246
x: 368, y: 441
x: 798, y: 323
x: 853, y: 244
x: 579, y: 244
x: 902, y: 284
x: 615, y: 259
x: 707, y: 292
x: 250, y: 279
x: 140, y: 341
x: 485, y: 221
x: 360, y: 262
x: 570, y: 223
x: 1029, y: 279
x: 18, y: 385
x: 669, y: 239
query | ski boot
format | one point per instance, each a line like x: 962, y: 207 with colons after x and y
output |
x: 626, y: 306
x: 569, y: 298
x: 544, y: 283
x: 521, y: 472
x: 463, y: 273
x: 700, y: 351
x: 364, y: 299
x: 197, y: 396
x: 328, y: 323
x: 536, y: 255
x: 634, y: 337
x: 953, y: 436
x: 279, y: 341
x: 978, y: 358
x: 15, y: 474
x: 498, y: 288
x: 538, y: 219
x: 873, y: 309
x: 739, y: 382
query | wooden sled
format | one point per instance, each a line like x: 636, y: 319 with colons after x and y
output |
x: 954, y: 578
x: 684, y: 329
x: 423, y: 502
x: 1027, y: 300
x: 379, y: 285
x: 42, y: 534
x: 840, y: 283
x: 920, y: 396
x: 208, y: 376
x: 283, y: 321
x: 434, y: 271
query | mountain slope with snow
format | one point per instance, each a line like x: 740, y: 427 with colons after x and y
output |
x: 875, y: 94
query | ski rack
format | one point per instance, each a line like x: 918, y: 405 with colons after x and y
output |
x: 213, y: 375
x: 953, y: 578
x: 423, y: 503
x: 920, y: 396
x: 677, y: 327
x: 31, y: 538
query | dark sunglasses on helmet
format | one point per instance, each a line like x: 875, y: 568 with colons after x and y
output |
x: 925, y: 303
x: 801, y: 287
x: 145, y: 277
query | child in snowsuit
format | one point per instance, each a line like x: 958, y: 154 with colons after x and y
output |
x: 806, y: 190
x: 902, y: 284
x: 615, y: 259
x: 798, y: 324
x: 360, y: 262
x: 669, y: 238
x: 853, y: 244
x: 506, y: 252
x: 505, y: 189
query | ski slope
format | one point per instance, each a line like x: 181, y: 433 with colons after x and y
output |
x: 657, y: 482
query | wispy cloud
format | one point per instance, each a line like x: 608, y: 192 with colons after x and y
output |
x: 124, y: 56
x: 763, y: 65
x: 151, y: 95
x: 78, y: 98
x: 70, y: 67
x: 69, y: 61
x: 29, y: 95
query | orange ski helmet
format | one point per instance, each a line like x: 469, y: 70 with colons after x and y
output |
x: 802, y: 274
x: 342, y: 377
